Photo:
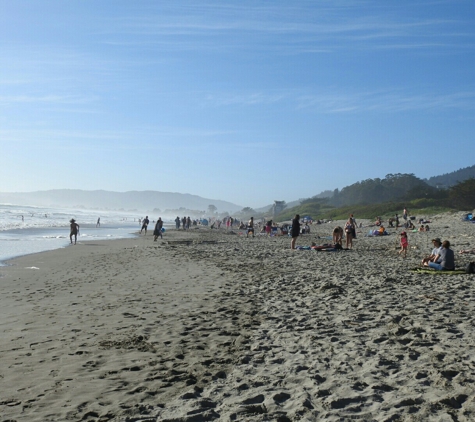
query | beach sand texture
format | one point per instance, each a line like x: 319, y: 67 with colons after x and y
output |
x: 209, y: 325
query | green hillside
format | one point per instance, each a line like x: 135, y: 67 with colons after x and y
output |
x: 400, y: 191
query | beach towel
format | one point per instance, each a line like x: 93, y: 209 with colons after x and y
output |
x: 321, y: 248
x: 428, y: 271
x: 375, y: 233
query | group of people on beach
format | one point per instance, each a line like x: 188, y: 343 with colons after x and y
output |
x: 442, y: 258
x: 185, y: 222
x: 349, y: 231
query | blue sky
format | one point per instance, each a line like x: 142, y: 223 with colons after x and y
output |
x: 245, y: 101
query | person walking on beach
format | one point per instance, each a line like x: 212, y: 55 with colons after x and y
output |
x: 404, y: 214
x: 295, y: 231
x: 250, y: 227
x: 404, y: 244
x: 269, y: 227
x: 354, y: 226
x: 349, y: 230
x: 145, y: 222
x: 98, y: 224
x: 158, y: 229
x: 177, y: 222
x: 74, y: 231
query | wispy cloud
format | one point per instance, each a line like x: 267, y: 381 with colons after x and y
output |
x: 337, y: 101
x: 49, y: 99
x: 311, y: 27
x: 253, y: 98
x: 386, y: 101
x: 152, y: 139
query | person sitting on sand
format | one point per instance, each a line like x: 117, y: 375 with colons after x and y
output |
x: 338, y: 235
x: 381, y: 231
x: 445, y: 260
x: 437, y: 246
x: 74, y: 230
x: 469, y: 251
x: 427, y: 228
x: 422, y: 228
x: 306, y: 229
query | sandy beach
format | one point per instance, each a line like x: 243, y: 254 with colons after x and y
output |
x: 210, y: 325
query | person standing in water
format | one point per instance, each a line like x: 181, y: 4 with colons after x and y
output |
x: 145, y: 222
x: 98, y: 224
x: 74, y: 230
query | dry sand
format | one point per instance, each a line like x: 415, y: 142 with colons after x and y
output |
x: 208, y: 325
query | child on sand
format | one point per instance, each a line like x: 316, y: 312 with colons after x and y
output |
x: 404, y: 244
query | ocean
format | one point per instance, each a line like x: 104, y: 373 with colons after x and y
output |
x: 26, y: 229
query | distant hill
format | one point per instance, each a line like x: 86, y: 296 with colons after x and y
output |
x: 101, y: 199
x: 451, y: 179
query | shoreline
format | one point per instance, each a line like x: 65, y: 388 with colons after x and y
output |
x: 16, y: 243
x: 208, y: 324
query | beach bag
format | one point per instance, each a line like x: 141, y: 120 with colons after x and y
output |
x: 470, y: 268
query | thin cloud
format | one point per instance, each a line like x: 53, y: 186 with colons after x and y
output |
x: 256, y: 98
x: 49, y: 99
x: 302, y: 29
x: 346, y: 102
x: 153, y: 139
x: 386, y: 102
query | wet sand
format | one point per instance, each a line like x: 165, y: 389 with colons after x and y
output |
x: 211, y: 325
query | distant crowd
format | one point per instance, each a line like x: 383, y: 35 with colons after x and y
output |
x: 440, y: 259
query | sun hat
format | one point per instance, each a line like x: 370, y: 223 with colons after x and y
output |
x: 437, y: 239
x: 403, y: 233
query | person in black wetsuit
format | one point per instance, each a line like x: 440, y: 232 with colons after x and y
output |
x: 295, y: 230
x: 145, y: 222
